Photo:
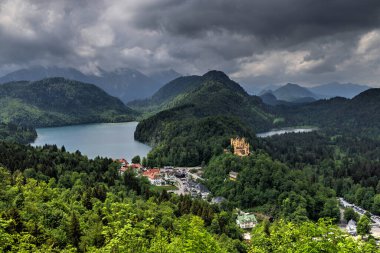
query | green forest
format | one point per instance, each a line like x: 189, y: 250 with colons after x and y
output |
x: 56, y: 201
x: 17, y: 133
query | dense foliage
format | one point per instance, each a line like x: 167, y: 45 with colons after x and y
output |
x: 306, y: 237
x: 271, y: 187
x: 57, y: 101
x: 55, y: 201
x: 348, y: 164
x: 16, y: 133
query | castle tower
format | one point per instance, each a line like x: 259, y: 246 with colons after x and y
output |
x: 241, y: 147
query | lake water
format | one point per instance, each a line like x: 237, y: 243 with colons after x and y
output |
x: 113, y: 140
x: 284, y: 131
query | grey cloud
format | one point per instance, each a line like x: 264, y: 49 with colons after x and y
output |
x: 193, y: 36
x: 270, y: 20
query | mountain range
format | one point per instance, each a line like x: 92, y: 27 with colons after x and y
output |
x: 296, y: 94
x: 58, y: 101
x: 126, y: 84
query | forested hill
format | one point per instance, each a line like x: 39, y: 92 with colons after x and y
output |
x: 213, y: 94
x: 358, y: 115
x: 58, y: 101
x: 213, y: 88
x: 203, y: 119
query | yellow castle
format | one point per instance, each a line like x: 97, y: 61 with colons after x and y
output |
x: 241, y: 147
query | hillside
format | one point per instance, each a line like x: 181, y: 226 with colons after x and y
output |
x: 202, y: 120
x: 57, y: 101
x: 126, y: 84
x: 165, y: 97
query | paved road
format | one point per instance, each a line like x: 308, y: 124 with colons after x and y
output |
x: 375, y: 219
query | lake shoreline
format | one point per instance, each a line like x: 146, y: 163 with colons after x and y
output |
x: 285, y: 130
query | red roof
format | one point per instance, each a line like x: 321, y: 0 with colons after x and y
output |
x: 152, y: 173
x: 123, y: 161
x: 136, y: 166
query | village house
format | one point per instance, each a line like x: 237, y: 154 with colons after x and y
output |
x: 240, y: 146
x: 154, y: 176
x: 233, y: 175
x: 351, y: 227
x: 246, y: 220
x: 123, y: 166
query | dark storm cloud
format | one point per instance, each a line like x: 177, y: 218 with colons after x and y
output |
x: 291, y: 21
x: 256, y: 41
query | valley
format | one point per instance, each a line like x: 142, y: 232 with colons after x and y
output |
x: 288, y: 174
x: 169, y: 126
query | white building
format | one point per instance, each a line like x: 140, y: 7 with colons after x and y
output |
x: 351, y: 227
x: 246, y: 220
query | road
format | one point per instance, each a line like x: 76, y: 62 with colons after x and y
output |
x: 375, y: 219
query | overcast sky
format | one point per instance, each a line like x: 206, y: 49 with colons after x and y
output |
x: 256, y: 42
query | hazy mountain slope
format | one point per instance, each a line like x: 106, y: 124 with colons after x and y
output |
x: 163, y: 77
x: 57, y: 101
x: 293, y: 92
x: 126, y: 84
x: 347, y: 90
x: 38, y: 73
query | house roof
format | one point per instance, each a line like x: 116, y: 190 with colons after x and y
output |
x: 246, y: 217
x: 351, y: 223
x: 152, y: 173
x: 122, y: 160
x: 233, y: 174
x: 218, y: 200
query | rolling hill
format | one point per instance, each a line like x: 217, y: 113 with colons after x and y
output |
x: 57, y: 101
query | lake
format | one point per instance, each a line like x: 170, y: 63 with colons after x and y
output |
x: 284, y: 131
x: 113, y: 140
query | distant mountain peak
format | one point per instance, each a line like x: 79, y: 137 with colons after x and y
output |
x: 292, y: 85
